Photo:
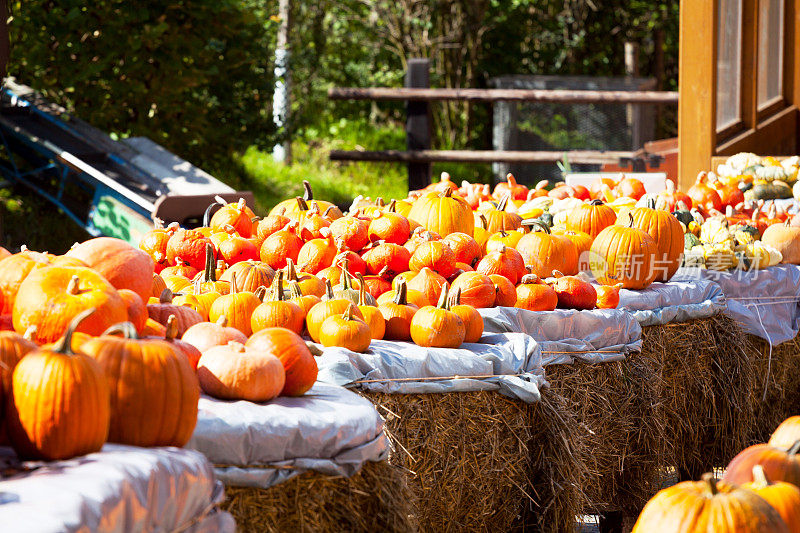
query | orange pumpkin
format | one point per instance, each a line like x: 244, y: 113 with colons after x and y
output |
x: 315, y: 255
x: 437, y: 327
x: 281, y: 246
x: 326, y: 308
x: 477, y: 289
x: 418, y: 236
x: 630, y: 187
x: 346, y: 331
x: 472, y: 319
x: 779, y: 464
x: 591, y: 218
x: 506, y: 262
x: 250, y: 275
x: 667, y: 232
x: 534, y: 294
x: 236, y: 249
x: 304, y: 301
x: 154, y: 390
x: 624, y: 254
x: 509, y: 239
x: 350, y: 233
x: 124, y: 266
x: 428, y: 283
x: 13, y: 270
x: 582, y: 242
x: 703, y: 195
x: 389, y: 227
x: 386, y: 260
x: 308, y: 283
x: 136, y: 308
x: 608, y: 296
x: 208, y: 334
x: 573, y: 292
x: 499, y: 219
x: 294, y: 207
x: 544, y: 252
x: 235, y: 372
x: 398, y: 313
x: 157, y: 287
x: 185, y: 317
x: 277, y: 312
x: 189, y: 350
x: 58, y: 403
x: 269, y: 225
x: 442, y: 213
x: 783, y: 497
x: 51, y: 297
x: 369, y: 310
x: 435, y: 255
x: 708, y: 505
x: 189, y: 246
x: 465, y: 248
x: 505, y: 292
x: 13, y: 347
x: 510, y: 186
x: 787, y: 433
x: 154, y: 243
x: 236, y: 307
x: 298, y: 363
x: 237, y: 215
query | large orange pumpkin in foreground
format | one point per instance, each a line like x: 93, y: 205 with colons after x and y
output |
x: 154, y: 390
x: 706, y: 506
x: 51, y: 297
x: 59, y: 402
x: 624, y: 254
x: 298, y: 362
x: 591, y: 218
x: 124, y: 266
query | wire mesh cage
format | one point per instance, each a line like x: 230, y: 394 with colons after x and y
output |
x: 555, y: 126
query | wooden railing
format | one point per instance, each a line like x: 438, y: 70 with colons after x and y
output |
x: 418, y: 154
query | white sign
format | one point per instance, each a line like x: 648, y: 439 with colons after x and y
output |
x: 654, y: 182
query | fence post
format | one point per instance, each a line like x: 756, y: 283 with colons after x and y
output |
x: 418, y: 123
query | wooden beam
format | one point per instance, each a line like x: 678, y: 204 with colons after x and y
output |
x: 480, y: 156
x: 491, y: 95
x: 697, y: 113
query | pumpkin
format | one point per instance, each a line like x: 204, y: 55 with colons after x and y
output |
x: 189, y: 246
x: 58, y: 405
x: 703, y: 195
x: 280, y: 247
x: 442, y: 213
x: 291, y: 207
x: 136, y: 308
x: 308, y: 283
x: 787, y: 433
x: 465, y: 248
x: 477, y: 289
x: 420, y: 235
x: 13, y: 347
x: 350, y: 233
x: 174, y: 283
x: 314, y: 225
x: 505, y: 293
x: 534, y: 294
x: 667, y: 232
x: 124, y: 266
x: 185, y: 317
x: 250, y: 275
x: 435, y: 255
x: 154, y: 243
x: 783, y: 497
x: 573, y: 292
x: 315, y: 255
x: 237, y: 215
x: 472, y: 319
x: 630, y: 187
x: 499, y: 219
x: 413, y: 296
x: 237, y: 307
x: 544, y: 252
x: 437, y: 327
x: 154, y: 390
x: 270, y: 224
x: 510, y: 187
x: 298, y: 363
x: 608, y: 296
x: 708, y: 505
x: 207, y: 334
x: 779, y: 464
x: 305, y: 301
x: 389, y: 227
x: 624, y: 254
x: 189, y: 350
x: 386, y: 260
x: 277, y: 312
x: 376, y: 286
x: 157, y: 287
x: 398, y: 314
x: 582, y: 242
x: 235, y: 372
x: 346, y: 291
x: 506, y: 262
x: 509, y: 239
x: 326, y: 308
x: 786, y: 239
x: 51, y: 297
x: 355, y: 264
x: 591, y: 218
x: 236, y: 249
x: 672, y: 197
x: 369, y: 310
x: 346, y: 331
x: 428, y: 283
x: 13, y: 270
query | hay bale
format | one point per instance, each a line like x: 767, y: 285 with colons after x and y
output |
x: 375, y: 499
x: 776, y: 393
x: 479, y: 461
x: 707, y: 373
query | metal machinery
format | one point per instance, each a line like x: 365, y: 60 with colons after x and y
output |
x: 114, y: 188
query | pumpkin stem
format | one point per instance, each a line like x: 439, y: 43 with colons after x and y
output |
x: 456, y: 297
x: 362, y: 290
x: 401, y: 298
x: 166, y: 297
x: 794, y: 449
x: 709, y: 479
x: 127, y: 329
x: 327, y: 212
x: 346, y: 285
x: 308, y: 192
x: 314, y: 349
x: 291, y: 273
x: 261, y: 291
x: 72, y: 286
x: 30, y: 333
x: 557, y: 274
x: 504, y: 202
x: 328, y: 290
x: 536, y: 225
x: 222, y: 321
x: 651, y: 203
x: 172, y: 328
x: 278, y: 287
x: 64, y: 345
x: 301, y: 204
x: 447, y: 193
x: 759, y: 476
x: 510, y: 179
x: 442, y: 303
x: 596, y: 202
x: 392, y: 206
x: 210, y: 274
x: 295, y: 288
x: 348, y: 313
x: 630, y: 219
x: 530, y: 278
x: 208, y: 211
x: 234, y: 288
x: 484, y: 223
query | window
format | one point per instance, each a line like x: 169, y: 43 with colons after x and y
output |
x: 770, y: 51
x: 729, y: 62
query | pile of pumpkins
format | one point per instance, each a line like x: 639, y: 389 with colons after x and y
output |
x: 87, y: 356
x: 759, y: 492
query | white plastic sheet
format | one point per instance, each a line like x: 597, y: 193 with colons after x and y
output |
x: 597, y: 336
x: 676, y: 301
x: 764, y: 302
x: 509, y: 363
x: 329, y: 430
x: 120, y: 489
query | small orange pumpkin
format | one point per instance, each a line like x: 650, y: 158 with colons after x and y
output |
x: 544, y: 252
x: 437, y: 327
x: 534, y: 294
x: 779, y: 464
x: 277, y: 312
x: 783, y: 497
x: 346, y: 331
x: 591, y: 218
x: 573, y: 292
x: 326, y: 308
x: 293, y: 353
x: 624, y: 254
x: 505, y: 293
x: 608, y: 296
x: 472, y: 319
x: 398, y: 314
x: 477, y: 289
x: 124, y: 266
x: 237, y: 307
x: 234, y: 372
x: 369, y: 310
x: 207, y: 334
x: 185, y: 317
x: 465, y: 248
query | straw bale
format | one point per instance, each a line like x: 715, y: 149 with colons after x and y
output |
x: 375, y: 499
x: 479, y: 461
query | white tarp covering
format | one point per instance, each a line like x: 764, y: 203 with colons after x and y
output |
x: 120, y: 489
x: 676, y: 301
x: 764, y: 302
x: 329, y: 430
x: 509, y: 363
x: 597, y: 336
